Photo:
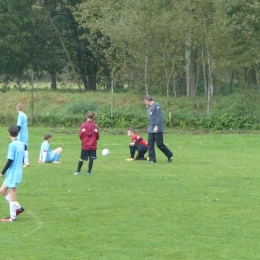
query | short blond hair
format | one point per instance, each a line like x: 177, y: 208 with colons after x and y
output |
x: 19, y: 107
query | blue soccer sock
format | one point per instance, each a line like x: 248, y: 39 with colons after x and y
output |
x: 57, y: 157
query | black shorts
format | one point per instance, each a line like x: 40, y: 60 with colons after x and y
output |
x: 85, y: 154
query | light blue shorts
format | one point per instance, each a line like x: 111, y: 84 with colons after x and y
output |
x: 50, y: 157
x: 10, y: 185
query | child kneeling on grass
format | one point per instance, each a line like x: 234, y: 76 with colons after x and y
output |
x: 46, y: 154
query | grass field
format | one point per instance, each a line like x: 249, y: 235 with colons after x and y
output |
x: 204, y: 205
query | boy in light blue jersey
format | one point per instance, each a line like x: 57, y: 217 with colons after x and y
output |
x: 22, y: 124
x: 14, y: 173
x: 46, y: 154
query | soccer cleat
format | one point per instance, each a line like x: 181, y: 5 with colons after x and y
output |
x: 9, y: 219
x: 19, y: 211
x: 148, y: 159
x: 25, y: 165
x: 169, y: 159
x: 151, y: 161
x: 130, y: 159
x: 57, y: 162
x: 88, y: 173
x: 76, y: 173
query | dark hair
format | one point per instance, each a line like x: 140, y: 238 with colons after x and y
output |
x: 13, y: 130
x: 90, y: 114
x: 148, y: 98
x: 47, y: 136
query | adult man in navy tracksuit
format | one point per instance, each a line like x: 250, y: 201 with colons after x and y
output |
x: 155, y: 130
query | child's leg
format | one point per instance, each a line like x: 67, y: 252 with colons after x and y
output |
x: 26, y: 157
x: 132, y: 151
x: 6, y: 195
x: 90, y: 165
x: 4, y: 192
x: 57, y: 157
x: 57, y: 152
x: 13, y: 203
x: 80, y: 163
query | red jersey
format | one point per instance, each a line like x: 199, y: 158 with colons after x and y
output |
x: 89, y: 134
x: 136, y: 139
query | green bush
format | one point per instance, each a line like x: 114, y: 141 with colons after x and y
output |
x: 124, y: 110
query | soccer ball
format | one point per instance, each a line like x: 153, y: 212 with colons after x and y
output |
x: 105, y: 152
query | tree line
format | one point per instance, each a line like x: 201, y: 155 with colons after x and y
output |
x: 172, y: 47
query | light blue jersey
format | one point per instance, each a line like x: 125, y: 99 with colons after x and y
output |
x: 46, y: 154
x: 15, y: 171
x: 23, y: 123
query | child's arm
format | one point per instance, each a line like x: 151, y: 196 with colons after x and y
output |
x: 43, y: 156
x: 8, y: 164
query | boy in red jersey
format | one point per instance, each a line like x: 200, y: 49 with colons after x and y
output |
x: 89, y: 135
x: 137, y: 144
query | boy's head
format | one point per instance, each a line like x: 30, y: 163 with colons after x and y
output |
x: 148, y: 100
x: 47, y: 136
x: 90, y: 115
x: 13, y: 130
x: 130, y: 132
x: 19, y: 107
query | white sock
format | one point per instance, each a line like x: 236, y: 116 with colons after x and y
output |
x: 18, y: 206
x: 13, y: 209
x: 7, y: 197
x: 26, y: 157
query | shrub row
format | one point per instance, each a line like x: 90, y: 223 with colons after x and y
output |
x: 223, y: 122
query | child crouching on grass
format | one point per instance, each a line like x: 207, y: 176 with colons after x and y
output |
x: 14, y: 174
x: 46, y: 154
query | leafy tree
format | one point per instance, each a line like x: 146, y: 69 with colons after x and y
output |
x: 81, y: 46
x: 244, y: 16
x: 17, y: 36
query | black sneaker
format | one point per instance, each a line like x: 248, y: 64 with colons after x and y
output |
x: 169, y: 159
x: 151, y: 161
x: 19, y: 211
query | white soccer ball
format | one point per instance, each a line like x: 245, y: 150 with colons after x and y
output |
x: 105, y: 152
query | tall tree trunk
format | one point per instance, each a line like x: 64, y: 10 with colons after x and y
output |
x: 205, y: 74
x: 89, y: 80
x: 191, y: 70
x: 258, y: 81
x: 168, y: 74
x: 210, y: 83
x: 92, y: 82
x: 193, y: 73
x: 174, y: 83
x: 231, y: 82
x: 250, y: 76
x: 53, y: 81
x: 84, y: 80
x: 188, y: 65
x: 210, y: 76
x: 146, y: 67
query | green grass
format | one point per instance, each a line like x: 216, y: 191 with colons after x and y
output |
x: 204, y: 205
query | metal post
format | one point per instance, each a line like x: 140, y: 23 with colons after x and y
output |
x: 112, y: 100
x: 32, y: 99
